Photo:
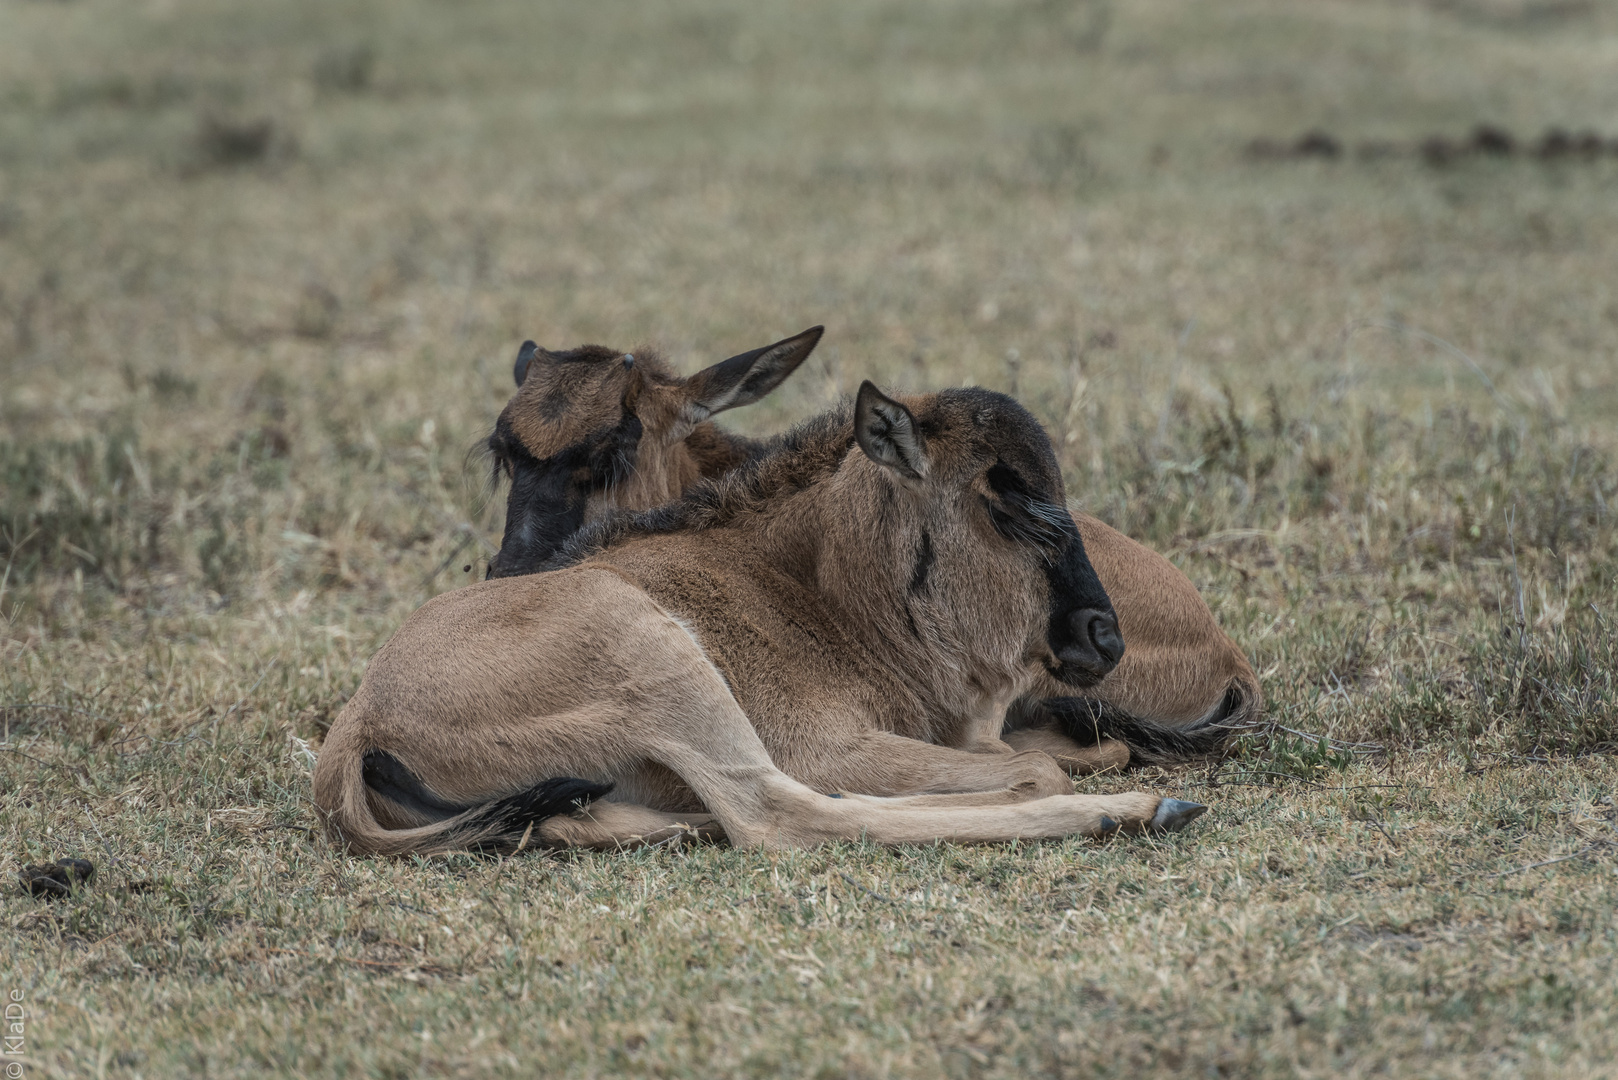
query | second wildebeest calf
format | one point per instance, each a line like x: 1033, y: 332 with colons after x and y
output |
x: 600, y: 430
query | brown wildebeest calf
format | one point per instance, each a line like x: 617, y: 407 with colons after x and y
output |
x: 595, y: 429
x: 850, y: 613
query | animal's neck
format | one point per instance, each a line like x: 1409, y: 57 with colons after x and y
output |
x: 662, y: 474
x: 860, y: 552
x: 714, y: 451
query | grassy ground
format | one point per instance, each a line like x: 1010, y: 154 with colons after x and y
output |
x: 263, y: 268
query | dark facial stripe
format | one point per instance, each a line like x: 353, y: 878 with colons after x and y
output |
x: 1074, y: 588
x: 545, y: 508
x: 924, y: 564
x: 910, y: 617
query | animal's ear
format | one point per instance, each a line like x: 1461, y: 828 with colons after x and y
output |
x: 525, y: 356
x: 888, y: 433
x: 744, y: 379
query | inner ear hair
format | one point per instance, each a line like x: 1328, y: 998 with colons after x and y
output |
x: 888, y: 433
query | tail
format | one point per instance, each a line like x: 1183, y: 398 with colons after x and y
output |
x: 1089, y: 720
x: 346, y: 783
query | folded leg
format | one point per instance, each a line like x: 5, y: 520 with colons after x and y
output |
x: 1108, y: 754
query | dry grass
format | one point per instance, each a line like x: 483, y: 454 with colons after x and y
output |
x: 263, y: 272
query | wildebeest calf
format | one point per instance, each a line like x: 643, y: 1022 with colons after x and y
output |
x: 849, y: 615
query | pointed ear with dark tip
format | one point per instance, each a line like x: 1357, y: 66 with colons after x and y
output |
x: 525, y: 356
x: 887, y: 432
x: 744, y: 379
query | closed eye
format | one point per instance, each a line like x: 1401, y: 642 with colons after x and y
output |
x: 1020, y: 514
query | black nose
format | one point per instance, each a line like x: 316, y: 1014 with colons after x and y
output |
x: 1104, y: 635
x: 1096, y: 645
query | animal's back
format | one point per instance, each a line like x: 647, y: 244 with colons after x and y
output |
x: 1175, y: 652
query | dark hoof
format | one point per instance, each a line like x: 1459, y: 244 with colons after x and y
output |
x: 1175, y: 814
x: 60, y: 879
x: 1108, y: 825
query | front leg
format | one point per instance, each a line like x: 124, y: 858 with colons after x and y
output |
x: 1107, y: 754
x: 880, y: 763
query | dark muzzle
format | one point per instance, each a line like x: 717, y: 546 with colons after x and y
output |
x: 545, y: 508
x: 1093, y: 644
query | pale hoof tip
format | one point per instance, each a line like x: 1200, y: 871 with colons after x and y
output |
x: 1108, y: 825
x: 1175, y: 814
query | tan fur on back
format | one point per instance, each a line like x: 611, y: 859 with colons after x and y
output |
x: 1177, y: 662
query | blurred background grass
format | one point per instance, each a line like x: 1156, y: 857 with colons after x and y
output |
x: 263, y: 269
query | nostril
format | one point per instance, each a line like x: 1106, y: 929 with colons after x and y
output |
x: 1093, y: 642
x: 1105, y: 637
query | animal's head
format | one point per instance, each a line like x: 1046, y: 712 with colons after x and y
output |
x: 594, y: 429
x: 961, y: 494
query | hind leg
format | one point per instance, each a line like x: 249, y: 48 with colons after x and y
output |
x: 704, y: 737
x: 614, y: 826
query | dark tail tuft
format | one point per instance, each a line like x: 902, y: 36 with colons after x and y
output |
x: 1087, y: 721
x: 497, y: 825
x: 388, y: 777
x: 510, y: 816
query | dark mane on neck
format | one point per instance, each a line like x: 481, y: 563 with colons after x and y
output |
x: 788, y: 464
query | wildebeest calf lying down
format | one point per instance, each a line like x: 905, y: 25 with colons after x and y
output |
x: 592, y: 430
x: 849, y: 615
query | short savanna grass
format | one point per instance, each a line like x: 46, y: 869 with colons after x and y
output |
x: 264, y: 271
